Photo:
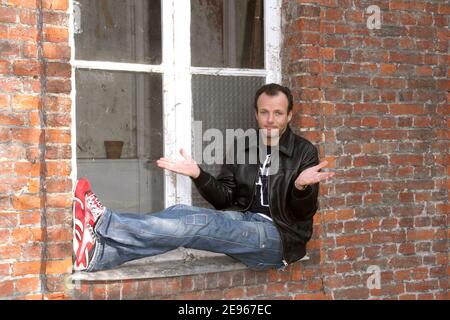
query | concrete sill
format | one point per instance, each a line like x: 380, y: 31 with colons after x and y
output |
x: 175, y: 263
x: 178, y: 262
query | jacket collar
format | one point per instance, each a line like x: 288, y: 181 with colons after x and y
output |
x: 286, y: 143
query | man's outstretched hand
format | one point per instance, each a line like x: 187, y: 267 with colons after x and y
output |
x: 312, y: 175
x: 187, y: 167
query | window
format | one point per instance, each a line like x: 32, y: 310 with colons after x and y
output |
x: 145, y: 70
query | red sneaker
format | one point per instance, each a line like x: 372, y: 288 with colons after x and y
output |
x: 87, y: 209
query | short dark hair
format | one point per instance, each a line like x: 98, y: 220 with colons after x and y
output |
x: 272, y: 89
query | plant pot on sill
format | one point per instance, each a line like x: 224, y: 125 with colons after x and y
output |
x: 113, y: 149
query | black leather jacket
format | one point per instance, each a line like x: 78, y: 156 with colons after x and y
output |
x: 292, y: 210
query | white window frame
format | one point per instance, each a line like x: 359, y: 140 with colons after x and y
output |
x: 177, y: 87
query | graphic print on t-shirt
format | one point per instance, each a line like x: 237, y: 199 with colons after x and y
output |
x: 261, y: 183
x: 261, y: 200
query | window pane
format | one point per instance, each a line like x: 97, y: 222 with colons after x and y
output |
x: 119, y: 31
x: 126, y: 107
x: 232, y: 30
x: 222, y: 103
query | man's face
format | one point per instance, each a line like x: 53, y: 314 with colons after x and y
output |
x: 273, y: 114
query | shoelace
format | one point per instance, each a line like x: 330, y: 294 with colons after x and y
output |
x: 91, y: 231
x: 94, y: 205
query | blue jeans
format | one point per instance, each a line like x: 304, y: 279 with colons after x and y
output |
x: 247, y: 237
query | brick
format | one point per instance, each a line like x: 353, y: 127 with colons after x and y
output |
x: 417, y: 235
x: 58, y: 168
x: 4, y: 101
x: 5, y: 203
x: 308, y: 11
x: 388, y: 83
x: 362, y: 161
x: 5, y: 236
x: 57, y: 104
x: 8, y: 220
x: 59, y: 266
x: 31, y: 4
x: 352, y: 82
x: 405, y: 262
x: 6, y: 288
x: 26, y: 202
x: 27, y: 68
x: 53, y: 34
x: 30, y: 218
x: 59, y: 120
x: 359, y: 239
x: 276, y: 289
x: 388, y: 237
x: 11, y: 85
x: 58, y: 86
x: 55, y: 5
x: 57, y: 69
x: 334, y: 14
x: 407, y: 109
x: 234, y: 293
x: 311, y: 296
x: 307, y: 25
x: 4, y: 270
x: 28, y: 17
x: 4, y: 67
x: 55, y: 18
x: 30, y: 51
x: 405, y: 159
x: 27, y: 285
x: 7, y: 15
x: 59, y: 201
x: 56, y: 51
x: 58, y: 234
x: 26, y: 135
x: 23, y: 33
x: 57, y: 136
x: 10, y: 251
x: 26, y: 268
x: 12, y: 119
x: 25, y: 235
x: 25, y: 102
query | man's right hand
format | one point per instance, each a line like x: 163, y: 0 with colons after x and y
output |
x: 187, y: 167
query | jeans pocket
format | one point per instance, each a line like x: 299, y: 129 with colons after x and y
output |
x: 270, y: 238
x: 196, y: 219
x: 272, y: 233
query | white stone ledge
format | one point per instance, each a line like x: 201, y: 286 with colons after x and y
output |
x: 175, y: 263
x: 171, y: 264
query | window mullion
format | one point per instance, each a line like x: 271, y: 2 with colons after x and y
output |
x: 169, y: 124
x: 183, y: 103
x: 117, y: 66
x: 272, y: 43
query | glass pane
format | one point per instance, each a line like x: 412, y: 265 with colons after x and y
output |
x: 232, y: 30
x: 222, y: 103
x: 126, y: 108
x: 119, y: 31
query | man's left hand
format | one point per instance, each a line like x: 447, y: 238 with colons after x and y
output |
x: 312, y: 175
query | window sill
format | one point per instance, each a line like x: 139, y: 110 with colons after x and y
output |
x: 175, y: 263
x: 178, y: 262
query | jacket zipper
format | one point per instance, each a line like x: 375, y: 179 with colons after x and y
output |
x: 253, y: 191
x: 281, y: 238
x: 268, y: 193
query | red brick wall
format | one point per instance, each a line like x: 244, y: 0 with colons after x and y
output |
x: 297, y: 282
x: 35, y: 148
x: 375, y: 101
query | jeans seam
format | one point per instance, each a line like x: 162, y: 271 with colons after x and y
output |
x: 202, y: 236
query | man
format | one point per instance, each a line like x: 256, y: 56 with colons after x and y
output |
x: 272, y: 214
